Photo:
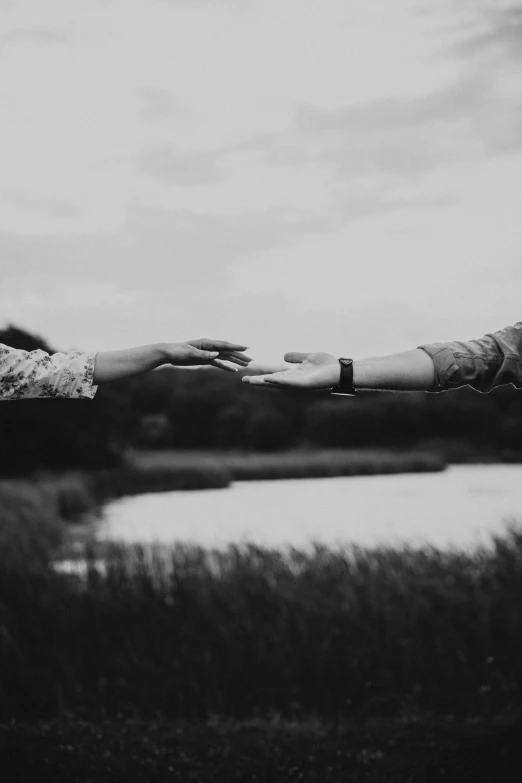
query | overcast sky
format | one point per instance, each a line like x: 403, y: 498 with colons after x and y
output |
x: 292, y: 174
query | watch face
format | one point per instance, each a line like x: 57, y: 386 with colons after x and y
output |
x: 346, y: 362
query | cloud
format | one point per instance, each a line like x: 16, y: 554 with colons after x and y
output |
x: 158, y: 104
x: 462, y: 261
x: 157, y: 247
x: 359, y: 155
x: 49, y: 256
x: 44, y: 36
x: 189, y: 152
x: 200, y: 246
x: 188, y: 169
x: 55, y: 208
x: 501, y: 33
x: 411, y: 137
x: 399, y: 137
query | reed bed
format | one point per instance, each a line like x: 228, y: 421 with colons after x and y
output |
x: 31, y: 527
x: 252, y: 632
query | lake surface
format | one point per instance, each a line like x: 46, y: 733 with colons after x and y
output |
x: 461, y: 506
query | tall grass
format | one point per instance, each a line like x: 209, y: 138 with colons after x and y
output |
x: 252, y: 631
x: 31, y: 526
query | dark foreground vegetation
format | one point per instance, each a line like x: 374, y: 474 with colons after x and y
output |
x: 248, y: 632
x: 253, y: 664
x: 130, y: 750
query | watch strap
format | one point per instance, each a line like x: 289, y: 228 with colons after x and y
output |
x: 345, y: 386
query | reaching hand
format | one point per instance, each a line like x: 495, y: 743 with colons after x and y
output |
x: 206, y: 351
x: 312, y: 372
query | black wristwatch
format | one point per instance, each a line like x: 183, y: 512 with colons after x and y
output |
x: 345, y: 386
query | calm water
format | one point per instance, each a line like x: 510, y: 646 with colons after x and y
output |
x: 461, y: 506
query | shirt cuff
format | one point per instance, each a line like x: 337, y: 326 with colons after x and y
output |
x: 444, y: 362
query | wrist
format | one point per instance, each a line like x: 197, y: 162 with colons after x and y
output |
x: 358, y: 374
x: 333, y: 375
x: 365, y: 373
x: 161, y: 353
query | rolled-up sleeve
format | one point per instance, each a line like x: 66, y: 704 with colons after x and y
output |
x: 27, y: 374
x: 491, y: 361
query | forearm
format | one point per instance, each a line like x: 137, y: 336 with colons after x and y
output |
x: 407, y: 371
x: 117, y: 365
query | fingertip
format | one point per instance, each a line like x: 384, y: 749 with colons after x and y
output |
x: 295, y: 357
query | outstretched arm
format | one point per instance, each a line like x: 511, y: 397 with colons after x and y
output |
x: 407, y: 371
x: 116, y: 365
x: 483, y: 364
x: 27, y: 374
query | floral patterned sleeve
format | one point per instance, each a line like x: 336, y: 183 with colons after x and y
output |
x: 25, y: 374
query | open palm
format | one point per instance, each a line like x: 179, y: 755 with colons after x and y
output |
x: 311, y: 372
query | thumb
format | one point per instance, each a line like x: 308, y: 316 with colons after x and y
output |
x: 295, y: 357
x: 196, y: 353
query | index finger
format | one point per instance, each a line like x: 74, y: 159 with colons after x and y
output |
x: 222, y: 345
x: 230, y: 355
